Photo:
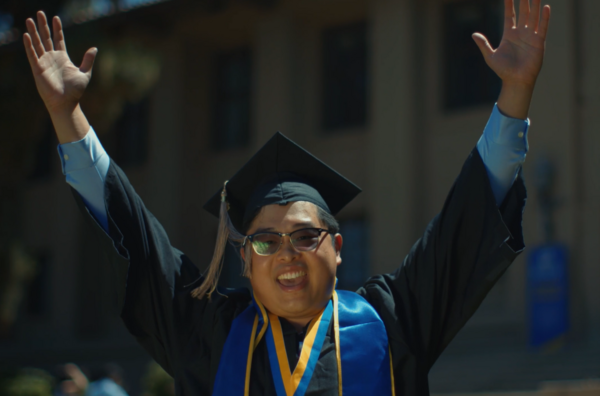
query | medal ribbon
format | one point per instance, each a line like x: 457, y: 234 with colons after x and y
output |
x: 296, y: 383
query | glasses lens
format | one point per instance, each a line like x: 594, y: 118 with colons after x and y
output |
x: 305, y: 240
x: 265, y: 244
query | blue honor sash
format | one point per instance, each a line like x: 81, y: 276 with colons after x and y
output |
x: 362, y: 351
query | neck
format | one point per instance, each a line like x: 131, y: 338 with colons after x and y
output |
x: 299, y: 324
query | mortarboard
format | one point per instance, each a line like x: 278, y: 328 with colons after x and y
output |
x: 281, y: 172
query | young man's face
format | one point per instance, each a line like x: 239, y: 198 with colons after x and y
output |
x: 311, y: 275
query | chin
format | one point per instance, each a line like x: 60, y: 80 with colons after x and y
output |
x: 303, y: 308
x: 295, y: 308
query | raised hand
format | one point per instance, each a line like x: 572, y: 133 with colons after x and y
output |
x: 59, y: 82
x: 520, y: 54
x: 519, y: 57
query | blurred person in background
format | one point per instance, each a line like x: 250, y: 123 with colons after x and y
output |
x: 296, y: 334
x: 71, y: 381
x: 107, y: 381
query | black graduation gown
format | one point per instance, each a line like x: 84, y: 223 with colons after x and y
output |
x: 423, y: 304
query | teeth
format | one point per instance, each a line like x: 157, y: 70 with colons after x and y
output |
x: 292, y: 275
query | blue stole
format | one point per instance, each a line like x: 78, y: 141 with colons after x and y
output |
x: 362, y: 351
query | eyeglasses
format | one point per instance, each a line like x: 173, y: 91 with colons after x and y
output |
x: 268, y: 243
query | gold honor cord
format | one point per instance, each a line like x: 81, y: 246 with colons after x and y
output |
x: 392, y: 371
x: 291, y: 381
x: 265, y: 317
x: 254, y: 340
x: 336, y: 329
x: 284, y: 366
x: 307, y: 347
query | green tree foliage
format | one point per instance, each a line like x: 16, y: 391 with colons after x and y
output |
x: 157, y: 382
x: 25, y: 382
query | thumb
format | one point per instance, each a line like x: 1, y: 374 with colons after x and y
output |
x: 88, y: 60
x: 483, y: 44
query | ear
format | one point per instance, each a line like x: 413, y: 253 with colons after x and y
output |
x: 339, y: 241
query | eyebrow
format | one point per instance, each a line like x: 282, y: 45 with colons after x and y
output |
x: 296, y: 226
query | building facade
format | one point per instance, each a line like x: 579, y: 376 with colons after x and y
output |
x: 387, y: 92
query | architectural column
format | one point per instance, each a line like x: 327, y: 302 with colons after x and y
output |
x: 164, y: 184
x: 555, y: 134
x: 273, y: 68
x: 390, y: 156
x: 589, y: 113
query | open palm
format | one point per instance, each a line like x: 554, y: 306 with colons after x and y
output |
x: 519, y: 57
x: 59, y: 82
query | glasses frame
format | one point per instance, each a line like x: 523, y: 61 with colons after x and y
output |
x: 281, y: 235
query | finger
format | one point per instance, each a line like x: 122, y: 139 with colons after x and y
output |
x: 509, y: 14
x: 543, y: 30
x: 44, y: 31
x: 523, y: 13
x: 59, y: 37
x: 31, y: 55
x: 88, y: 61
x: 534, y: 15
x: 483, y: 44
x: 37, y: 43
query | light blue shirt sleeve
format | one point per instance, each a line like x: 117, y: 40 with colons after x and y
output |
x: 85, y: 165
x: 503, y: 147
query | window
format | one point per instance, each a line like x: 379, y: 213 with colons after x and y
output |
x: 354, y: 270
x: 468, y: 80
x: 132, y: 134
x: 345, y: 81
x: 231, y: 122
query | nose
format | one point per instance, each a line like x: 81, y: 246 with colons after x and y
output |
x: 286, y: 250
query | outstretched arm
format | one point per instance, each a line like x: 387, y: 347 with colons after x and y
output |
x: 519, y: 57
x: 471, y: 243
x: 152, y: 280
x: 59, y: 82
x: 517, y: 61
x: 61, y: 85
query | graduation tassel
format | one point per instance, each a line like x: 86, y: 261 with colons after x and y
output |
x: 225, y: 231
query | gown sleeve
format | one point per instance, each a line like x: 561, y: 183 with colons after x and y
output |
x: 152, y: 285
x: 449, y: 271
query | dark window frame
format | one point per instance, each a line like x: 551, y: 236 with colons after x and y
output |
x: 132, y: 134
x: 467, y: 80
x: 345, y: 76
x: 230, y: 96
x: 355, y: 268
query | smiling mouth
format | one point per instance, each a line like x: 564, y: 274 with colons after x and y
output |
x: 292, y: 280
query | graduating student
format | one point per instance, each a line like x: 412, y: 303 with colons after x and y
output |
x: 294, y: 334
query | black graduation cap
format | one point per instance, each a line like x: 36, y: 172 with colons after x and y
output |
x: 281, y: 172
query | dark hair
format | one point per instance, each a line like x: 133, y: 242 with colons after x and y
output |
x: 326, y: 218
